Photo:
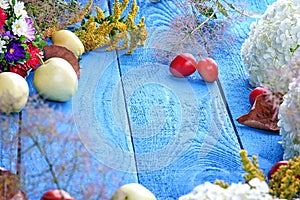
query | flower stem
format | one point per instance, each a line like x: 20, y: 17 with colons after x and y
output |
x: 40, y: 58
x: 253, y: 15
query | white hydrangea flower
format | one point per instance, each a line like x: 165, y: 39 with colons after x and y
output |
x: 19, y: 27
x: 289, y: 115
x: 273, y: 41
x: 255, y: 190
x: 19, y: 9
x: 4, y: 4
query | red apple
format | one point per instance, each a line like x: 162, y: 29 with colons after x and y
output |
x: 183, y: 65
x: 208, y: 69
x: 57, y: 195
x: 275, y: 167
x: 256, y: 92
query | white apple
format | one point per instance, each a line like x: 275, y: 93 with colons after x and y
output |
x: 133, y: 191
x: 56, y: 80
x: 69, y: 40
x: 14, y: 92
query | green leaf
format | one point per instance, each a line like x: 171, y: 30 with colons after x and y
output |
x: 222, y: 9
x: 25, y: 46
x: 22, y: 38
x: 27, y: 55
x: 208, y: 12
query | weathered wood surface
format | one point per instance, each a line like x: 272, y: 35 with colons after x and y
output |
x: 167, y: 133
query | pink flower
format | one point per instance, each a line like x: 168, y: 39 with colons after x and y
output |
x: 2, y: 17
x: 30, y: 30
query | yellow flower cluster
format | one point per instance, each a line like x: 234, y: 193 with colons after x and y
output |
x: 252, y: 168
x: 285, y: 182
x: 99, y: 31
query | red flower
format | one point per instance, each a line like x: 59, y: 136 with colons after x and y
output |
x: 21, y: 69
x: 2, y: 17
x: 33, y: 61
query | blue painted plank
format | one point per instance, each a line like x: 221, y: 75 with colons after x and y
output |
x: 149, y: 103
x: 181, y: 131
x: 235, y: 85
x: 97, y: 112
x: 90, y: 124
x: 94, y: 127
x: 9, y: 126
x: 143, y: 125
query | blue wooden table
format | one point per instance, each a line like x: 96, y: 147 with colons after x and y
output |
x: 141, y: 124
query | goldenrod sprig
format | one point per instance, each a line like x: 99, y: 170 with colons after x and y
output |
x: 285, y: 182
x: 99, y: 31
x: 251, y: 167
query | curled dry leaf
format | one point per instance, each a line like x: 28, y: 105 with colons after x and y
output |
x: 262, y: 115
x: 62, y: 52
x: 9, y: 184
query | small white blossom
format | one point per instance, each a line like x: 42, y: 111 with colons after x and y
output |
x: 255, y: 190
x: 4, y: 4
x: 19, y: 27
x: 272, y: 43
x: 19, y: 9
x: 2, y: 46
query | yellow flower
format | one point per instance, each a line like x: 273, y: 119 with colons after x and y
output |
x: 99, y: 31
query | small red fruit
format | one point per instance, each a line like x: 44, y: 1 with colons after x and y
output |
x: 57, y: 195
x: 208, y: 69
x: 275, y: 167
x: 256, y: 92
x: 183, y: 65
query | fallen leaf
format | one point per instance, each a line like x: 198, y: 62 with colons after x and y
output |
x: 62, y: 52
x: 262, y: 115
x: 9, y: 184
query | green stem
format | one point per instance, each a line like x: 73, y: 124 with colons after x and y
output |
x: 230, y: 5
x: 40, y: 58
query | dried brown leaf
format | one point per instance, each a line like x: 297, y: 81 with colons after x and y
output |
x: 62, y: 52
x: 262, y: 115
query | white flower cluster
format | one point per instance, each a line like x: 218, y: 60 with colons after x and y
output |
x: 255, y: 190
x: 273, y: 41
x: 289, y: 115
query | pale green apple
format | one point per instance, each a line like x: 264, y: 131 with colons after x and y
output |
x: 14, y: 92
x: 133, y: 191
x: 56, y: 80
x: 69, y: 40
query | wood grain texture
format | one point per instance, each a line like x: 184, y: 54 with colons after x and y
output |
x: 181, y: 131
x: 169, y: 182
x: 182, y: 134
x: 95, y: 121
x: 146, y: 126
x: 235, y: 85
x: 9, y: 125
x: 100, y: 130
